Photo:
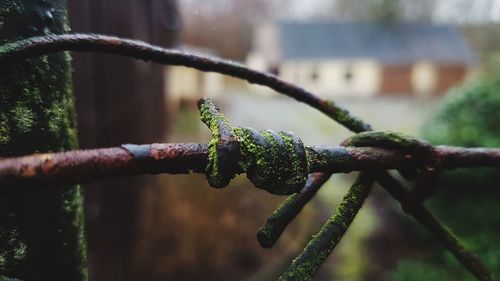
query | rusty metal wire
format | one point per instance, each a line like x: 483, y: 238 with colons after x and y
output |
x: 38, y: 46
x: 84, y: 166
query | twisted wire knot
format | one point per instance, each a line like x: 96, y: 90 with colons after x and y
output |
x: 223, y: 148
x: 273, y: 161
x: 419, y: 149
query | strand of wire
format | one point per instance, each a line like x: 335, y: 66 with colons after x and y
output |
x: 37, y: 46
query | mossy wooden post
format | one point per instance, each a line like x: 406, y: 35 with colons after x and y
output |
x: 41, y: 231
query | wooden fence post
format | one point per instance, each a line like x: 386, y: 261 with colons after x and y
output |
x: 41, y: 231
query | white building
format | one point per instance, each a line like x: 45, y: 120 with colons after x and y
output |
x: 363, y: 59
x: 188, y: 84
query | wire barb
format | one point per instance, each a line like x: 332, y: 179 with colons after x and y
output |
x: 223, y: 148
x: 275, y: 162
x: 322, y: 244
x: 269, y: 233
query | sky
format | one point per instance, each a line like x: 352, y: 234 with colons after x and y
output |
x: 474, y: 11
x: 449, y: 11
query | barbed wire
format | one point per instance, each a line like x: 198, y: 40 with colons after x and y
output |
x: 84, y: 166
x: 386, y: 150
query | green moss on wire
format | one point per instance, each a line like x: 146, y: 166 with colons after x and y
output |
x: 275, y: 162
x: 214, y: 121
x: 322, y: 244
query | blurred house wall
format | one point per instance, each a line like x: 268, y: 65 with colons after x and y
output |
x: 424, y: 78
x: 396, y: 79
x: 119, y: 100
x: 362, y: 58
x: 360, y: 77
x: 188, y: 84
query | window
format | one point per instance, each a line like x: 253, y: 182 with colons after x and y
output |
x: 348, y: 75
x: 314, y: 74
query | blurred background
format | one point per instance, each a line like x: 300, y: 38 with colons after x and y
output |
x: 426, y: 68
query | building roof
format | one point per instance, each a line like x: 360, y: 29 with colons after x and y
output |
x: 390, y: 43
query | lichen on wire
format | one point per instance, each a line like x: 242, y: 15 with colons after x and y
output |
x: 322, y: 244
x: 273, y: 161
x: 107, y: 44
x: 223, y: 148
x: 417, y: 148
x: 269, y: 233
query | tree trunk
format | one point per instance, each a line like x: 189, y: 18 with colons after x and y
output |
x: 41, y: 231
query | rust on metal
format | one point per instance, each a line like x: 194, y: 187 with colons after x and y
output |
x: 81, y: 166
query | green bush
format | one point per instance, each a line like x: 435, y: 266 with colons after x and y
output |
x: 466, y: 200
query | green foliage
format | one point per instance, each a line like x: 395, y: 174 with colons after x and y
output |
x: 387, y: 11
x: 417, y: 271
x: 469, y: 117
x: 466, y: 198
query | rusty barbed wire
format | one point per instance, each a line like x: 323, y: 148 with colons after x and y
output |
x: 147, y: 162
x: 84, y: 166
